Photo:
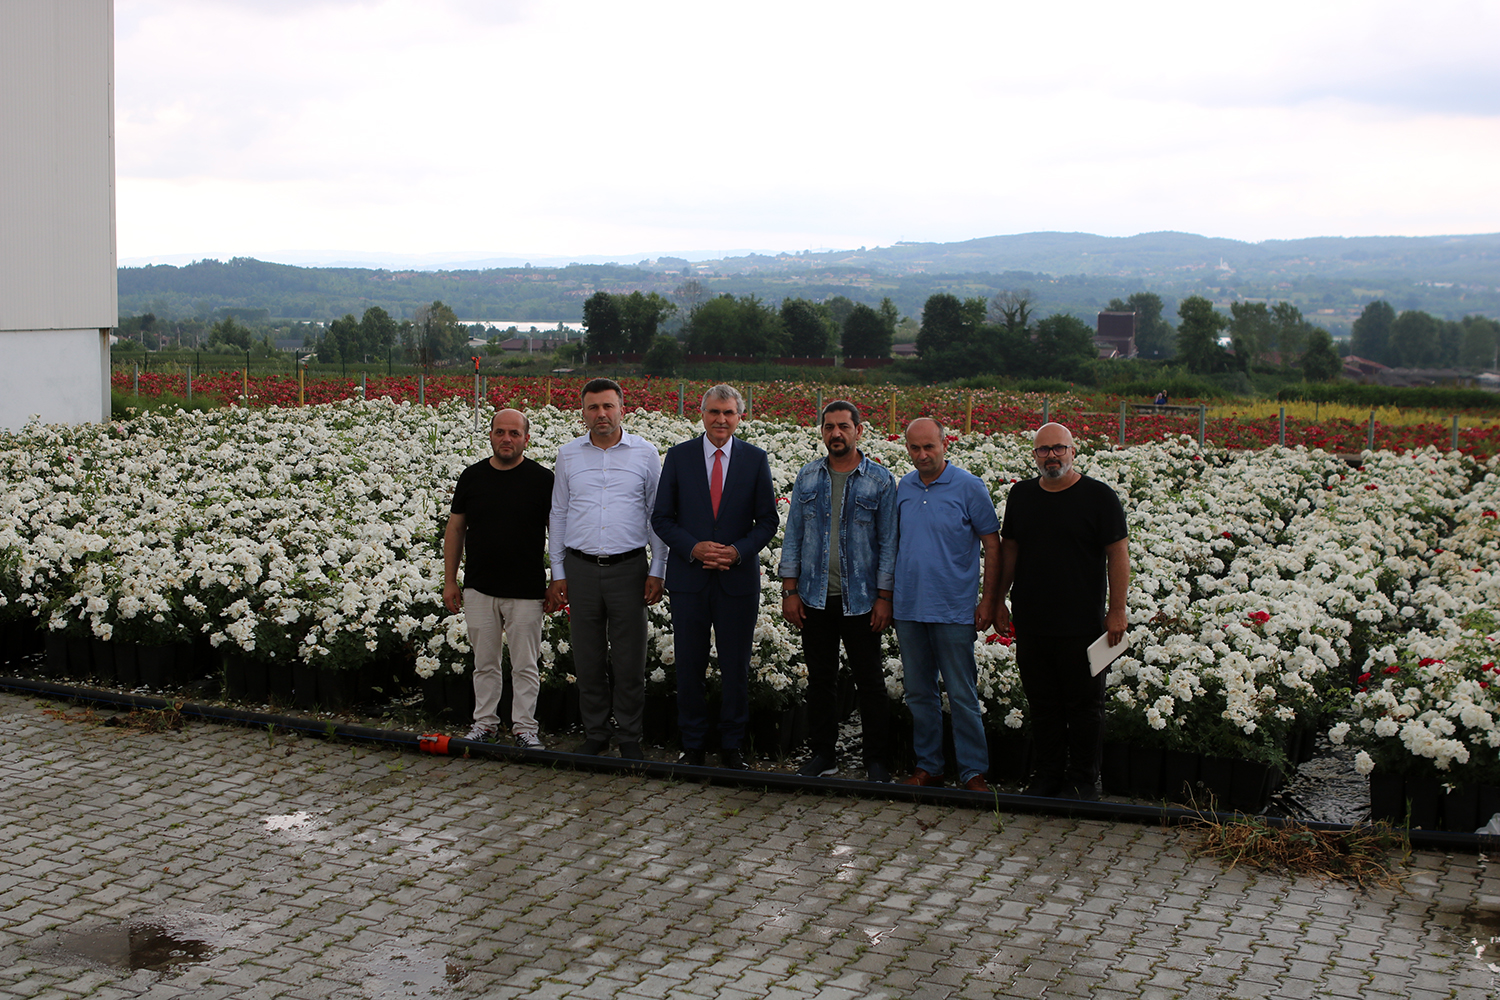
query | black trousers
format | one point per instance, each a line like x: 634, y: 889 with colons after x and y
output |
x: 822, y: 630
x: 1067, y: 708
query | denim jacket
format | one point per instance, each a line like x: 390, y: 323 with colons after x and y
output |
x: 867, y: 535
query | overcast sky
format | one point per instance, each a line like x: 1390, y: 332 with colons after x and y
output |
x: 290, y: 129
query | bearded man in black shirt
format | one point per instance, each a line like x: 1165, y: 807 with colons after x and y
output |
x: 498, y: 521
x: 1062, y: 540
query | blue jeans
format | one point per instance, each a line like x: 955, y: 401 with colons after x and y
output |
x: 930, y: 650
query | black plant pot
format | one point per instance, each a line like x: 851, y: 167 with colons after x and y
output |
x: 127, y: 674
x: 1179, y: 776
x: 154, y: 666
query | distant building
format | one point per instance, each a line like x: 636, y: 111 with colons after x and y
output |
x: 1115, y: 335
x: 1359, y: 369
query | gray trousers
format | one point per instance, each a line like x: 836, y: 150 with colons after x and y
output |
x: 607, y: 618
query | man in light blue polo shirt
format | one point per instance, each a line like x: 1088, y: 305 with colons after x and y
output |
x: 945, y: 520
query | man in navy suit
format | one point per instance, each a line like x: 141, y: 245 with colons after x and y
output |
x: 715, y: 510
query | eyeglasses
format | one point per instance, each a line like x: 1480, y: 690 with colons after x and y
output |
x: 1056, y: 449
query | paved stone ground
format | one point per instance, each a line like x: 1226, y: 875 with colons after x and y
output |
x: 330, y: 869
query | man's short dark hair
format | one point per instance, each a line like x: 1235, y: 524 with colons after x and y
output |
x: 837, y: 405
x: 602, y: 385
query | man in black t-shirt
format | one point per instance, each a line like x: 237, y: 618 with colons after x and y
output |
x: 1062, y: 541
x: 498, y: 521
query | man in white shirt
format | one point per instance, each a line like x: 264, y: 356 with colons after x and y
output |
x: 603, y: 491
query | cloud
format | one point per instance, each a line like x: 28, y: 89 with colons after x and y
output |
x: 598, y: 127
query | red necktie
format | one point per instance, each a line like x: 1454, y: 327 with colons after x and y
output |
x: 716, y: 481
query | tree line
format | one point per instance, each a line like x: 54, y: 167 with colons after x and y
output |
x: 1415, y: 339
x: 695, y: 322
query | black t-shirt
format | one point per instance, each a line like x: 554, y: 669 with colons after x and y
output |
x: 1060, y: 583
x: 505, y: 517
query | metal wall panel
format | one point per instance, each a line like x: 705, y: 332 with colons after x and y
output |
x: 57, y: 173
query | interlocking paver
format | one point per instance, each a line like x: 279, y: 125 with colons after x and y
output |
x: 421, y: 876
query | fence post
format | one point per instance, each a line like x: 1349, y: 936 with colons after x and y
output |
x: 818, y: 417
x: 421, y: 388
x: 190, y: 383
x: 749, y: 402
x: 893, y: 412
x: 476, y: 402
x: 1455, y: 433
x: 137, y: 378
x: 681, y: 391
x: 1283, y: 427
x: 548, y: 400
x: 1370, y: 434
x: 1122, y: 423
x: 1046, y: 410
x: 364, y: 390
x: 969, y: 415
x: 1202, y: 424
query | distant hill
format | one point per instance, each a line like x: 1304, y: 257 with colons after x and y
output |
x: 1169, y: 255
x: 1329, y: 278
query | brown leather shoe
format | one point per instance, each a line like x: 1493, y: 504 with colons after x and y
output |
x: 923, y: 779
x: 977, y: 784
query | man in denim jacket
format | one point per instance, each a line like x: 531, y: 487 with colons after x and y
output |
x: 836, y: 585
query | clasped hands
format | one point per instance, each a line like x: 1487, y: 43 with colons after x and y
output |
x: 557, y: 594
x: 714, y: 555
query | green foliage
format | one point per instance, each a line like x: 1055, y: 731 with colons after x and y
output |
x: 124, y: 406
x: 1250, y: 330
x: 1062, y: 347
x: 809, y: 328
x: 434, y: 335
x: 867, y: 333
x: 1415, y: 397
x: 604, y: 323
x: 1480, y: 343
x: 1370, y: 336
x: 946, y: 325
x: 745, y: 327
x: 1198, y: 336
x: 230, y: 334
x: 1320, y: 362
x: 1414, y: 340
x: 664, y: 357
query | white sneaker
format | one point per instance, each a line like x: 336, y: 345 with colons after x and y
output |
x: 529, y: 741
x: 482, y: 733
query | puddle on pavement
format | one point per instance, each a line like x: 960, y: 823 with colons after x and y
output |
x: 1480, y: 927
x: 159, y: 945
x: 300, y: 825
x: 410, y: 972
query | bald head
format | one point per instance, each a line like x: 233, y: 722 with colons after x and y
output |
x: 1053, y: 449
x: 509, y: 433
x: 926, y: 447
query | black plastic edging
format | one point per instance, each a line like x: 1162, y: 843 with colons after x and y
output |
x: 771, y: 780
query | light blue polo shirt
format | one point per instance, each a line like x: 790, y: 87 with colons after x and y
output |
x: 938, y: 555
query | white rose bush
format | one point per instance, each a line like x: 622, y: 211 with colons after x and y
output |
x: 1263, y: 582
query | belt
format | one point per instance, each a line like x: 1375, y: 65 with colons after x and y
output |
x: 607, y: 560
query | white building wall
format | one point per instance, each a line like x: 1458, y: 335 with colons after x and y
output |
x: 57, y: 209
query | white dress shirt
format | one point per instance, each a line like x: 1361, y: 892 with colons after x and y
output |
x: 602, y: 500
x: 708, y: 457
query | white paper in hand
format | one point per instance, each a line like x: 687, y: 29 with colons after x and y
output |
x: 1102, y: 654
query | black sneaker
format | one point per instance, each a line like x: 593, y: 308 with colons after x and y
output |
x: 693, y: 757
x: 819, y: 765
x: 876, y: 771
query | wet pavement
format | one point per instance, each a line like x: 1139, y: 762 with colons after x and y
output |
x: 216, y: 861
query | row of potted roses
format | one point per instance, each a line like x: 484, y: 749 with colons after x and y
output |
x: 1262, y: 581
